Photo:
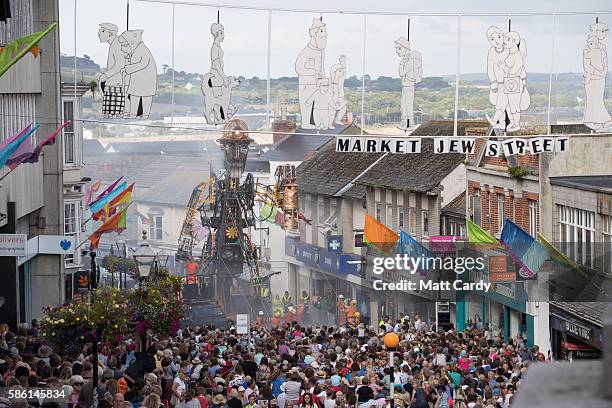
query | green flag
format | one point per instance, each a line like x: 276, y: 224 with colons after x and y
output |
x: 17, y: 49
x: 267, y: 213
x: 477, y: 235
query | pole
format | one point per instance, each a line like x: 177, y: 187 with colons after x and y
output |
x: 457, y: 75
x: 392, y: 378
x: 94, y: 286
x: 268, y: 107
x: 363, y: 73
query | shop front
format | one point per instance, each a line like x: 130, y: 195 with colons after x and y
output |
x: 574, y: 337
x: 326, y: 277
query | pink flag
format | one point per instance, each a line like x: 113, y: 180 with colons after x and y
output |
x: 107, y: 190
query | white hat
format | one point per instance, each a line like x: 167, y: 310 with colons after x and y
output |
x: 260, y: 313
x: 403, y: 42
x: 316, y: 23
x: 110, y: 27
x: 340, y: 296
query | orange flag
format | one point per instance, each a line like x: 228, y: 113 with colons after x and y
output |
x: 379, y: 235
x: 116, y: 223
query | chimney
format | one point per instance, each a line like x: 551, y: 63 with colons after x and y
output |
x: 282, y: 126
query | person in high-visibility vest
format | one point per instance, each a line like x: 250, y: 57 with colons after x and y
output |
x: 276, y: 319
x: 277, y: 305
x: 192, y: 278
x: 350, y: 312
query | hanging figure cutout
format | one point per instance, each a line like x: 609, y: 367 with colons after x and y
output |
x: 309, y: 67
x: 506, y: 68
x: 595, y: 64
x: 323, y: 111
x: 411, y: 73
x: 139, y: 73
x: 337, y: 77
x: 216, y: 86
x: 111, y: 80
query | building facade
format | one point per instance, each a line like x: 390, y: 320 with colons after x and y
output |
x: 31, y: 198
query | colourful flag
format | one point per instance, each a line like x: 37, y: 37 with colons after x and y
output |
x: 107, y: 190
x: 8, y: 151
x: 523, y: 248
x: 144, y: 219
x: 17, y: 49
x: 125, y: 197
x: 117, y: 223
x: 16, y: 136
x: 99, y: 205
x: 91, y: 190
x: 477, y: 235
x: 559, y: 256
x: 411, y: 247
x: 23, y: 152
x: 49, y: 140
x: 379, y: 235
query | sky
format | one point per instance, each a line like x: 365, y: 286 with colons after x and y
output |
x: 246, y: 33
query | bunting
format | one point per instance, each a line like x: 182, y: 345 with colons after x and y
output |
x: 17, y: 49
x: 379, y: 235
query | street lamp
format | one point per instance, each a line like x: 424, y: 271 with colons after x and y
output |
x: 145, y: 258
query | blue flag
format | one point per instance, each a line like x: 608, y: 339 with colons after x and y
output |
x: 99, y: 205
x: 12, y: 147
x: 523, y: 248
x: 406, y: 245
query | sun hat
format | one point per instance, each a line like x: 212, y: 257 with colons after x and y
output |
x: 76, y: 379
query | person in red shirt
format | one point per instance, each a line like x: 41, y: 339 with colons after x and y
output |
x: 202, y: 397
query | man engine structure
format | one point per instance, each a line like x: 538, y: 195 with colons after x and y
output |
x: 229, y: 268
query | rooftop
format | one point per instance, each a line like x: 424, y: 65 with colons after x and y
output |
x: 419, y: 172
x: 601, y: 184
x: 302, y: 143
x: 456, y: 207
x: 176, y: 188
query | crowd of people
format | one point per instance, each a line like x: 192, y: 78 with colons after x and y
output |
x: 286, y: 366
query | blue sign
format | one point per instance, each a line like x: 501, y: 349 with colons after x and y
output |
x: 322, y: 258
x: 334, y: 244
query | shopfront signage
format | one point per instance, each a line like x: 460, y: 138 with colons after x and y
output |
x: 13, y: 244
x: 577, y: 330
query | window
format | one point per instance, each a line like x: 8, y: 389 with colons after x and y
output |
x: 533, y: 217
x: 412, y: 220
x: 156, y: 228
x: 476, y: 207
x: 308, y: 206
x: 425, y: 222
x: 400, y: 217
x: 501, y: 201
x: 577, y: 234
x: 389, y: 219
x: 71, y: 226
x: 452, y: 228
x: 69, y: 136
x: 377, y: 210
x: 607, y: 243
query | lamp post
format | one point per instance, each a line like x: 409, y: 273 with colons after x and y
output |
x: 145, y: 259
x: 391, y: 341
x: 94, y: 285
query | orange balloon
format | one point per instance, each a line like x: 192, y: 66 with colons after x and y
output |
x: 391, y: 340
